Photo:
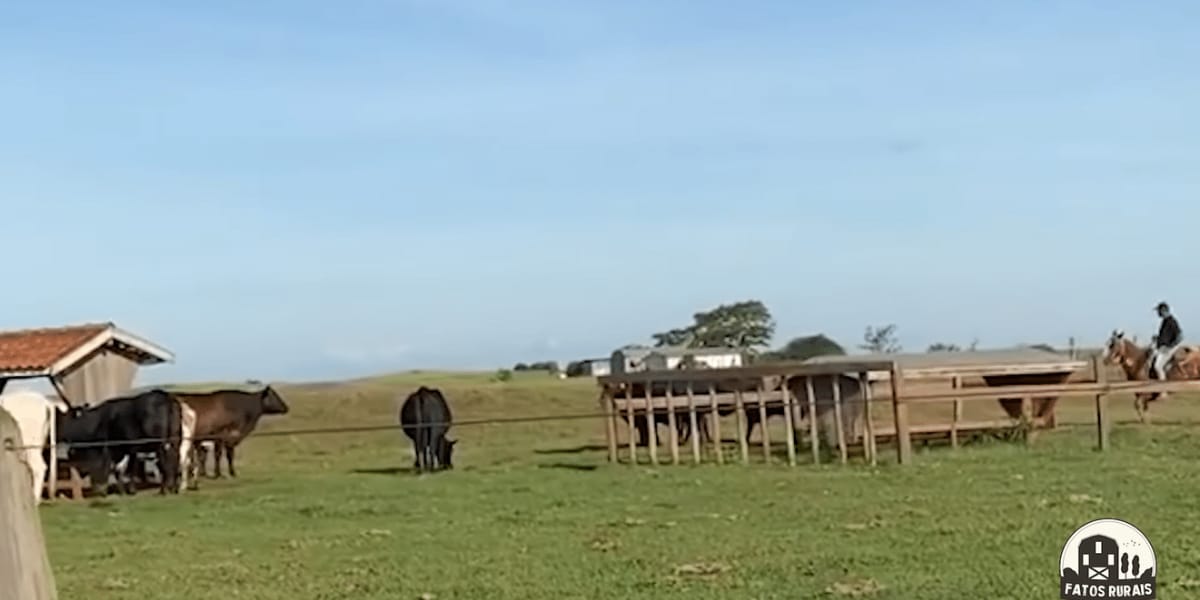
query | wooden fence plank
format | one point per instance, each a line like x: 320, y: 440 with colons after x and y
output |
x: 789, y: 422
x: 693, y: 423
x: 900, y: 416
x: 1102, y: 422
x: 24, y: 566
x: 716, y: 425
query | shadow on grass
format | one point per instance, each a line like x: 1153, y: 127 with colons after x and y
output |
x: 384, y: 471
x: 573, y: 449
x: 568, y: 466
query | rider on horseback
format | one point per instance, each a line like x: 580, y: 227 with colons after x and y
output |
x: 1166, y: 342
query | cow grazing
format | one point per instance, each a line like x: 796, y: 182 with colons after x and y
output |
x: 32, y: 412
x: 116, y: 430
x: 225, y: 418
x: 425, y: 418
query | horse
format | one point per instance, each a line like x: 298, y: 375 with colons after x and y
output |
x: 1134, y: 360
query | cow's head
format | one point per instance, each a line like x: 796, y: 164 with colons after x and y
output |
x: 445, y: 453
x: 272, y: 402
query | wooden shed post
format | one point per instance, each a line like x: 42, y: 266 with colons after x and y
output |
x: 52, y: 482
x: 814, y: 437
x: 693, y: 423
x: 836, y: 385
x: 743, y: 427
x: 788, y: 421
x: 610, y: 420
x: 716, y: 424
x: 762, y: 420
x: 633, y: 457
x: 956, y: 384
x: 900, y: 415
x: 1102, y: 422
x: 869, y: 442
x: 651, y: 425
x: 672, y: 425
x: 24, y: 566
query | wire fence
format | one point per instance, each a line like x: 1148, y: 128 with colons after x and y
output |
x: 9, y: 444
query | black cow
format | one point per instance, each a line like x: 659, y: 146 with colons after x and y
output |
x: 108, y: 433
x: 425, y: 418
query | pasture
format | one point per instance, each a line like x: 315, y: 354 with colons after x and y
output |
x: 533, y: 511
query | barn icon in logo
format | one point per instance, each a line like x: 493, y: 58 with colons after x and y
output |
x: 1107, y: 558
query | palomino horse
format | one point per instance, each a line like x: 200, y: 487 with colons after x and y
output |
x: 1135, y: 362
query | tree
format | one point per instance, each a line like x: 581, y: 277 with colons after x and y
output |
x: 746, y: 325
x: 881, y: 341
x: 520, y: 367
x: 804, y: 348
x: 943, y: 347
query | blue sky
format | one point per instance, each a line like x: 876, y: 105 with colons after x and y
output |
x: 311, y: 190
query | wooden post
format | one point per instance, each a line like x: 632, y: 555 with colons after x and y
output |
x: 789, y: 425
x: 1102, y: 422
x: 633, y: 458
x: 956, y: 383
x: 900, y: 415
x: 651, y: 426
x: 53, y: 439
x: 1027, y: 419
x: 762, y: 421
x: 692, y: 422
x: 672, y: 425
x: 24, y: 566
x: 836, y: 385
x: 610, y: 419
x: 812, y: 420
x: 741, y: 422
x: 716, y: 424
x: 868, y: 443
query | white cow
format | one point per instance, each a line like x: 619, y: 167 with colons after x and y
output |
x: 32, y: 411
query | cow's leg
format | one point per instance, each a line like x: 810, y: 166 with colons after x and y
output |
x: 229, y: 460
x: 98, y: 469
x: 190, y: 467
x: 702, y: 424
x: 201, y: 459
x: 218, y: 450
x: 167, y: 456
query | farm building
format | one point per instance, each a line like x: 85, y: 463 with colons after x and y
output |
x: 87, y: 363
x: 628, y: 360
x: 595, y: 367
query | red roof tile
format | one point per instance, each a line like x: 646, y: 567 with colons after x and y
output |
x: 32, y: 350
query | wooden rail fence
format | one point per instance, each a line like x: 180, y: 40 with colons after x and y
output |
x: 798, y: 392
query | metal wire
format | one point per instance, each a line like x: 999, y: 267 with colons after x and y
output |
x: 326, y: 430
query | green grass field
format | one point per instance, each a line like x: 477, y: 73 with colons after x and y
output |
x: 534, y: 511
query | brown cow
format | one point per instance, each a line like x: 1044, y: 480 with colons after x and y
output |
x: 225, y: 418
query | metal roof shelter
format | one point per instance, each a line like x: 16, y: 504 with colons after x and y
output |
x: 979, y: 363
x: 86, y: 363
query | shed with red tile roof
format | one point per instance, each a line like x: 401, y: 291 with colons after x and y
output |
x: 88, y: 363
